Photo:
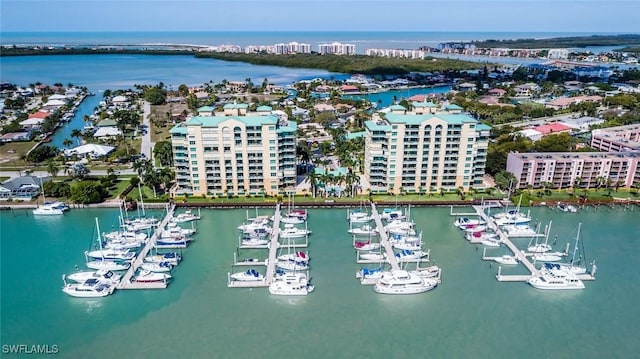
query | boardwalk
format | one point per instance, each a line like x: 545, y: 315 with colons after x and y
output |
x: 384, y: 238
x: 126, y: 282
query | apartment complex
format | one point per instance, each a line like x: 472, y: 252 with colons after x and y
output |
x: 617, y: 139
x: 409, y: 54
x: 234, y: 152
x: 575, y: 169
x: 426, y: 149
x: 337, y: 48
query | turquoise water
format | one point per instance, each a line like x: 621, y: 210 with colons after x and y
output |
x: 469, y: 315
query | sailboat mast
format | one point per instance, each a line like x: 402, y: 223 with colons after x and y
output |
x: 575, y: 249
x: 141, y: 201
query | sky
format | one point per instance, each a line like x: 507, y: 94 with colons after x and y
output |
x: 600, y: 16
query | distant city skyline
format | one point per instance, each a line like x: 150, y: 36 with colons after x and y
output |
x: 616, y: 16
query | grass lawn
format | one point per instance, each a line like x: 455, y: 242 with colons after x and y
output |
x: 11, y: 152
x: 115, y: 191
x: 160, y: 133
x: 592, y: 195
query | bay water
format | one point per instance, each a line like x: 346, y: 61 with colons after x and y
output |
x: 469, y: 315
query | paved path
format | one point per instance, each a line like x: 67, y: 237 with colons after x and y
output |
x: 14, y: 174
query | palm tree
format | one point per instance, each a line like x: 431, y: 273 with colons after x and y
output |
x: 52, y: 168
x: 313, y: 177
x: 67, y: 143
x: 76, y: 133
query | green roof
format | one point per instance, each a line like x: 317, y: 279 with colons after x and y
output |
x: 453, y: 107
x: 214, y: 121
x: 353, y: 135
x: 419, y: 119
x: 264, y: 109
x: 206, y: 109
x: 107, y: 123
x: 235, y: 105
x: 179, y: 129
x: 380, y: 126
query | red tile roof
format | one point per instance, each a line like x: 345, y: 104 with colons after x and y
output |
x: 555, y: 127
x: 40, y: 114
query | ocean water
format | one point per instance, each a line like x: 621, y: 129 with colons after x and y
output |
x: 469, y: 315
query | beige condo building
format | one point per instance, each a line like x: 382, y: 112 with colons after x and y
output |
x: 234, y: 152
x: 425, y: 149
x: 575, y: 169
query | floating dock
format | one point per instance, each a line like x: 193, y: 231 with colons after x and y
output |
x: 521, y: 256
x: 125, y: 282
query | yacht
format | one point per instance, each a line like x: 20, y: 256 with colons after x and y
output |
x: 253, y: 242
x: 519, y: 230
x: 464, y: 222
x: 290, y: 231
x: 106, y: 264
x: 390, y: 214
x: 359, y: 217
x: 171, y: 257
x: 292, y: 265
x: 248, y: 275
x: 291, y: 284
x: 114, y: 254
x: 373, y: 256
x: 428, y: 272
x: 297, y: 256
x: 157, y: 267
x: 366, y: 246
x: 365, y: 230
x: 403, y: 282
x: 47, y: 210
x: 91, y: 288
x: 556, y: 280
x: 506, y: 260
x: 547, y: 257
x: 102, y: 275
x: 147, y: 276
x: 186, y: 216
x: 408, y: 256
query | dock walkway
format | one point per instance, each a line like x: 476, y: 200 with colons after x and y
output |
x: 384, y: 238
x: 126, y: 282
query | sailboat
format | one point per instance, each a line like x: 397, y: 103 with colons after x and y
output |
x: 572, y: 266
x: 103, y: 255
x: 49, y: 209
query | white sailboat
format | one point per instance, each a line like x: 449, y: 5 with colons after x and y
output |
x: 572, y: 266
x: 48, y: 209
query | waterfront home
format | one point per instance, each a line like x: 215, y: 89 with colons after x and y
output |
x: 25, y: 187
x: 15, y: 136
x: 89, y: 150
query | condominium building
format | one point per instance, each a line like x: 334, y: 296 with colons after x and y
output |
x: 234, y: 152
x: 617, y: 139
x: 426, y: 149
x: 409, y: 54
x: 575, y: 169
x: 337, y: 48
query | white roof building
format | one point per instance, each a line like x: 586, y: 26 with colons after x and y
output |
x: 90, y: 149
x: 531, y: 134
x: 107, y: 132
x: 55, y: 103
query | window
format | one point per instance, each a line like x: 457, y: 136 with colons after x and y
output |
x: 194, y: 155
x: 192, y: 142
x: 192, y: 149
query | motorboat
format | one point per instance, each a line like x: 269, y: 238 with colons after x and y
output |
x: 254, y: 242
x: 403, y: 282
x: 58, y: 204
x: 428, y: 272
x: 463, y: 222
x: 407, y: 245
x: 516, y: 218
x: 172, y: 257
x: 408, y: 256
x: 563, y: 207
x: 157, y: 267
x: 366, y: 273
x: 290, y: 231
x: 262, y: 222
x: 173, y: 228
x: 550, y: 280
x: 564, y: 267
x: 399, y: 226
x: 365, y: 230
x: 186, y: 216
x: 518, y: 230
x: 366, y: 246
x: 297, y: 213
x: 116, y: 254
x: 539, y: 248
x: 506, y: 260
x: 91, y: 288
x: 102, y: 275
x: 291, y: 220
x: 175, y: 242
x: 373, y: 256
x: 391, y: 214
x: 359, y: 217
x: 147, y: 276
x: 291, y: 284
x: 108, y: 265
x: 547, y: 257
x: 480, y: 236
x: 140, y: 223
x: 248, y: 275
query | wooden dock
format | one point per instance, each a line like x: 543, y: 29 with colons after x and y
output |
x: 125, y: 282
x: 384, y: 238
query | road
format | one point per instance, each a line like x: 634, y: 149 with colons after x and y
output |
x: 14, y: 174
x: 147, y: 146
